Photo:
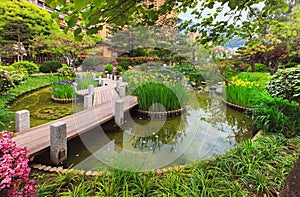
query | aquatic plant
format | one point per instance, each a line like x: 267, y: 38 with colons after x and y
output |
x: 242, y: 92
x: 63, y: 89
x: 83, y: 81
x: 14, y: 170
x: 157, y: 91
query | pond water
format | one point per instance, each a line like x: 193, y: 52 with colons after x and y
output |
x: 208, y: 128
x: 42, y: 108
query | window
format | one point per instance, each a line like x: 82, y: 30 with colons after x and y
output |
x: 114, y: 54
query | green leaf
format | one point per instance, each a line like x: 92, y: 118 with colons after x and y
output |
x: 99, y: 3
x: 73, y: 20
x: 77, y: 32
x: 79, y: 4
x: 54, y: 15
x: 285, y: 8
x: 232, y: 4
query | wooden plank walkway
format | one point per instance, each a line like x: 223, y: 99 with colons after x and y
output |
x: 38, y: 138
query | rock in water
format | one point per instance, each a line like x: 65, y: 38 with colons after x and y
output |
x: 213, y: 88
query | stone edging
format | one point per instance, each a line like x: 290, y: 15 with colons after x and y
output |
x: 60, y: 169
x: 164, y: 114
x: 59, y: 100
x: 236, y: 107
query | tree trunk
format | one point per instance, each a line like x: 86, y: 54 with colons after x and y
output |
x: 252, y: 63
x: 275, y: 66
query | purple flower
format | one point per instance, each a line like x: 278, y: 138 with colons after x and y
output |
x: 115, y: 63
x: 56, y: 89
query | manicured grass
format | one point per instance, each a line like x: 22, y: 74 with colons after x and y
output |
x: 249, y: 169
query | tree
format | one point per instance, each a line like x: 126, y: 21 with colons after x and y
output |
x: 64, y: 45
x: 19, y: 23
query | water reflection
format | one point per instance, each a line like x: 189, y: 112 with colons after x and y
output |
x: 208, y: 128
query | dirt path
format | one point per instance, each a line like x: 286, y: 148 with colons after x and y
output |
x: 291, y: 186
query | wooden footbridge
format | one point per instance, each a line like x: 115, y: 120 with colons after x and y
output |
x: 38, y: 138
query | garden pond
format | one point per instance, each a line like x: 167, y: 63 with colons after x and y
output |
x: 208, y: 128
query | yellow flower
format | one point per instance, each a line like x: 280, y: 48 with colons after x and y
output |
x: 257, y: 84
x: 234, y: 78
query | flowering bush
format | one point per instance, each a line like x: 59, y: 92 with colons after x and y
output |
x: 14, y: 170
x: 67, y: 72
x: 6, y: 82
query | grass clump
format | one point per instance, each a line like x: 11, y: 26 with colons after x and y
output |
x: 157, y: 90
x: 241, y: 91
x: 250, y: 169
x: 84, y: 80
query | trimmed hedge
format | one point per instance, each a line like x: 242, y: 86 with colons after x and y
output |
x: 50, y: 66
x: 29, y: 67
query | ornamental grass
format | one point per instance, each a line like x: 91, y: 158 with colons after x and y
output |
x: 241, y: 92
x: 159, y: 91
x: 63, y: 89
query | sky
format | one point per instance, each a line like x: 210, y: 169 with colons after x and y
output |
x: 188, y: 16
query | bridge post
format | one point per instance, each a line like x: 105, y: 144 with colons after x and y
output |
x: 100, y: 81
x: 22, y: 120
x: 75, y: 87
x: 87, y: 102
x: 58, y: 142
x: 119, y: 112
x: 118, y: 83
x: 107, y: 76
x: 121, y: 79
x: 122, y: 91
x: 91, y: 90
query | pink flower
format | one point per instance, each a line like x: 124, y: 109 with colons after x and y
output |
x: 14, y: 170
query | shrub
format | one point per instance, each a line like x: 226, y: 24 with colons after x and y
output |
x: 119, y: 70
x: 90, y: 63
x: 5, y: 117
x: 6, y: 82
x: 192, y: 73
x: 109, y: 68
x: 14, y: 170
x: 30, y: 67
x: 276, y: 115
x: 124, y: 64
x: 50, y: 66
x: 290, y: 64
x: 68, y: 72
x: 137, y: 60
x: 18, y: 75
x: 285, y: 84
x: 259, y: 68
